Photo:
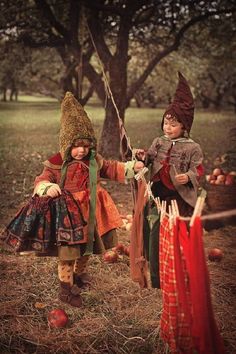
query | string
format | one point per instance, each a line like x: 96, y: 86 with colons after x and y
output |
x: 106, y: 84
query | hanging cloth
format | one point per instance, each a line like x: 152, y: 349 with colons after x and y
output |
x: 204, y: 331
x: 176, y: 315
x: 168, y: 321
x: 93, y: 167
x: 138, y: 264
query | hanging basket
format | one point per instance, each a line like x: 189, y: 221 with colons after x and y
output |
x: 221, y: 197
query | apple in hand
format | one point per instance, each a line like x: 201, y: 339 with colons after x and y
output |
x: 57, y: 318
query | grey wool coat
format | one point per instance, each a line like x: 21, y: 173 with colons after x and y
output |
x: 185, y: 155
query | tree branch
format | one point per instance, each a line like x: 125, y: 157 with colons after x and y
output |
x: 46, y: 11
x: 98, y: 38
x: 96, y: 80
x: 99, y: 6
x: 173, y: 47
x: 87, y: 96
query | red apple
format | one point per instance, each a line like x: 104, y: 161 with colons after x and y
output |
x: 57, y: 318
x: 210, y: 178
x: 215, y: 255
x: 212, y: 181
x: 232, y: 173
x: 219, y: 182
x: 221, y: 178
x: 110, y: 256
x: 217, y: 172
x: 229, y: 179
x: 119, y: 248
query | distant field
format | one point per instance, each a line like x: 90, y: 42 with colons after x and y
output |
x: 34, y: 121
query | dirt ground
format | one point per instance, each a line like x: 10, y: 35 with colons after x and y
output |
x: 116, y: 316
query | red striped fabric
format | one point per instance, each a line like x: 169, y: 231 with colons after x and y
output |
x: 187, y: 321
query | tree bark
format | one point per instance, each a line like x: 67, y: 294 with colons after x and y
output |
x: 110, y: 138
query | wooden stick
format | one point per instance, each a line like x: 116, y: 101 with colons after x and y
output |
x: 176, y: 207
x: 195, y: 211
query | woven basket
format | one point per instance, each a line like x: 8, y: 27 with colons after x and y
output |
x: 221, y: 197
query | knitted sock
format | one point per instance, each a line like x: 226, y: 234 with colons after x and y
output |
x: 65, y: 271
x: 80, y: 265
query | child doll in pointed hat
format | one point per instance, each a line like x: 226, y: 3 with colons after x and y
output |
x: 79, y: 216
x: 174, y: 159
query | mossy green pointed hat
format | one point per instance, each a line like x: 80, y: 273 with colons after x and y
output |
x: 75, y: 124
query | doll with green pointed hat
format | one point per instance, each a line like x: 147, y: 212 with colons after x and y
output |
x: 70, y: 215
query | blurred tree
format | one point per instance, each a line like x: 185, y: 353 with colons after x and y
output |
x: 214, y: 63
x: 213, y: 77
x: 113, y: 24
x: 13, y: 61
x: 44, y: 71
x: 31, y: 71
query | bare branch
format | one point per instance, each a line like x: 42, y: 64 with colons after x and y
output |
x: 98, y: 38
x: 173, y: 47
x: 45, y: 9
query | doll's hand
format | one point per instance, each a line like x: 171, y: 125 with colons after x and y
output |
x: 140, y: 154
x: 54, y: 191
x: 182, y: 178
x: 139, y: 165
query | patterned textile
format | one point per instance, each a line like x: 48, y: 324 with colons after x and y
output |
x: 187, y: 321
x: 44, y: 223
x: 175, y: 328
x: 65, y: 271
x: 204, y: 330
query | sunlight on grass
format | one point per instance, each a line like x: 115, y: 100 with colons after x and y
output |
x: 36, y: 124
x: 27, y: 98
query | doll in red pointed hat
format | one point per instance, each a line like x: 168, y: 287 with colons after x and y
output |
x: 174, y: 159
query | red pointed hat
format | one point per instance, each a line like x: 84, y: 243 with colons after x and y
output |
x: 182, y: 106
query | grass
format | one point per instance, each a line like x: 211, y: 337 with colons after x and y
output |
x: 116, y: 317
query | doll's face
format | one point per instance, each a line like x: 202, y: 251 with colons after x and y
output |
x: 80, y: 149
x: 172, y: 128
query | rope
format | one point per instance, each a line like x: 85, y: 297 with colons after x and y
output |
x: 107, y: 87
x: 219, y: 215
x: 81, y: 41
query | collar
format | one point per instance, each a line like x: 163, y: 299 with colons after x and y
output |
x: 180, y: 140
